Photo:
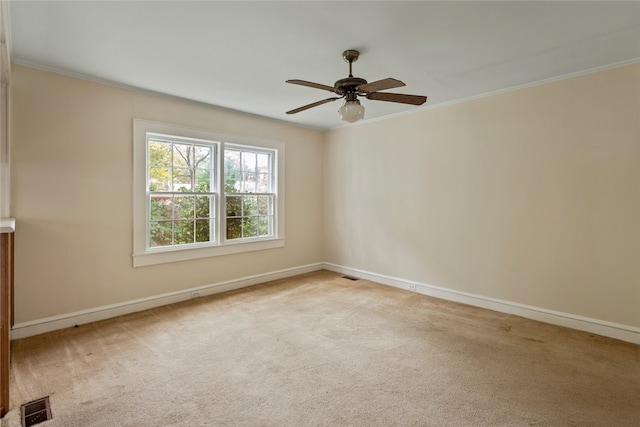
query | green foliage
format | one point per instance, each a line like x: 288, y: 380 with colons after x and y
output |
x: 159, y: 166
x: 234, y: 228
x: 248, y: 215
x: 161, y: 233
x: 232, y: 173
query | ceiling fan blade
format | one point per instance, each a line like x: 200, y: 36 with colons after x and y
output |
x: 315, y: 104
x: 312, y: 84
x: 397, y: 97
x: 380, y: 85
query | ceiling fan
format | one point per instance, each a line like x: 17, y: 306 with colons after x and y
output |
x: 352, y: 87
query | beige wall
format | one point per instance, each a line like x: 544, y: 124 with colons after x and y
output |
x: 530, y: 196
x: 72, y: 195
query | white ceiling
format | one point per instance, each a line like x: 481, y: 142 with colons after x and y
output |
x: 238, y: 54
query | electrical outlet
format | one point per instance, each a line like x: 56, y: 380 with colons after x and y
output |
x: 195, y: 294
x: 412, y: 287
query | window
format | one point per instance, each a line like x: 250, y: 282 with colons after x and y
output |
x: 248, y: 187
x: 200, y: 194
x: 182, y: 205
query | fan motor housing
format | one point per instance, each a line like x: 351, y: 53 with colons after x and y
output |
x: 349, y: 84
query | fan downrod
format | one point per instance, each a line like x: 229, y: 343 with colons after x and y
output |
x: 350, y: 56
x: 350, y: 84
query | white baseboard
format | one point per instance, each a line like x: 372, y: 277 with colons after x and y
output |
x: 48, y: 324
x: 596, y: 326
x: 600, y: 327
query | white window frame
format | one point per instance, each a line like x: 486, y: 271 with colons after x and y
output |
x: 272, y: 194
x: 143, y: 255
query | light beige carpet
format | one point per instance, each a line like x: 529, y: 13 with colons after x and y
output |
x: 321, y: 350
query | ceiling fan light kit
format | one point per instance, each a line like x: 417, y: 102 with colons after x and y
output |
x: 351, y: 111
x: 351, y: 87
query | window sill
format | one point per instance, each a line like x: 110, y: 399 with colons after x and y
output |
x: 152, y: 258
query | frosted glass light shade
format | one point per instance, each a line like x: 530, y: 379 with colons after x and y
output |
x: 351, y: 111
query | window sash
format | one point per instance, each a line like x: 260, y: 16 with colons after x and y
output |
x: 205, y: 228
x: 251, y: 217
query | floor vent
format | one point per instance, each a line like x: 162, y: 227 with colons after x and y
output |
x: 35, y: 412
x: 350, y: 278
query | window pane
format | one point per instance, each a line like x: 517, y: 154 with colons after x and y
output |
x: 232, y: 182
x: 183, y: 232
x: 265, y: 205
x: 203, y: 181
x: 182, y: 180
x: 249, y: 183
x: 160, y: 233
x: 250, y: 206
x: 161, y: 207
x: 203, y: 207
x: 263, y: 226
x: 202, y: 157
x: 159, y: 179
x: 249, y: 227
x: 249, y: 161
x: 264, y: 163
x: 184, y: 207
x: 234, y: 228
x: 183, y: 155
x: 159, y: 153
x: 232, y: 158
x: 234, y: 206
x: 202, y: 230
x: 231, y: 171
x: 263, y: 185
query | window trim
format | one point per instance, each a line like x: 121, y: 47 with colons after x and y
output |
x: 142, y: 256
